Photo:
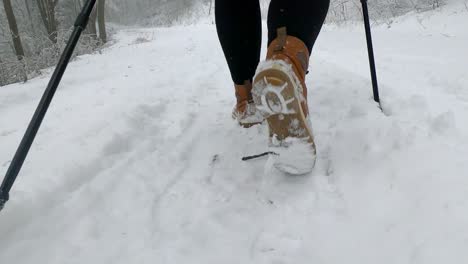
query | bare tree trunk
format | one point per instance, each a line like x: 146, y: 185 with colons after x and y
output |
x: 47, y: 10
x: 102, y: 21
x: 211, y: 6
x: 91, y: 28
x: 2, y: 75
x: 31, y: 23
x: 14, y: 29
x: 53, y: 32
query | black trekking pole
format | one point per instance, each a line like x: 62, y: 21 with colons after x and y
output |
x: 28, y: 138
x: 370, y: 50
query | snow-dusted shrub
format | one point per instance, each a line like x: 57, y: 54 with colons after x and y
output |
x: 381, y: 11
x: 44, y: 55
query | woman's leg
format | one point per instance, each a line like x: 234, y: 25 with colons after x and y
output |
x: 303, y: 19
x: 239, y: 27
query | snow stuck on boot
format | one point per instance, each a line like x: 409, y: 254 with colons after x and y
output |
x: 251, y: 116
x: 293, y: 156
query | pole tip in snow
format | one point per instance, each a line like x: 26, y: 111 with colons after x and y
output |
x: 3, y: 199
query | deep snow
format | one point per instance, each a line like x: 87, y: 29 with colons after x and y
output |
x: 138, y: 160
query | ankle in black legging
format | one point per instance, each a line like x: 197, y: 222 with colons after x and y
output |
x: 239, y: 29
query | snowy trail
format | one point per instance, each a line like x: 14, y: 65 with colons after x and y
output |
x: 138, y: 160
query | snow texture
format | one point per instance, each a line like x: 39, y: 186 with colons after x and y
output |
x: 139, y: 161
x: 293, y: 155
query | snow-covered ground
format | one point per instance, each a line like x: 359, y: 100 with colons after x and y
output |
x: 138, y: 160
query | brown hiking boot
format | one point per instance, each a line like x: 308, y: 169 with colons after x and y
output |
x: 245, y: 111
x: 280, y: 94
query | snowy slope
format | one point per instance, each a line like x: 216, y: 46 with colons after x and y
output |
x: 138, y: 160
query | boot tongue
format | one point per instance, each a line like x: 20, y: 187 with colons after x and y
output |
x: 281, y: 38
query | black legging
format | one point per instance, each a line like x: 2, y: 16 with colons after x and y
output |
x: 240, y: 30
